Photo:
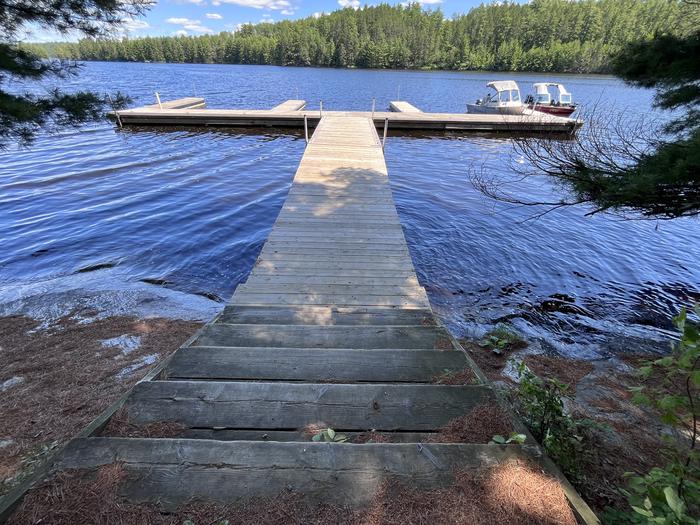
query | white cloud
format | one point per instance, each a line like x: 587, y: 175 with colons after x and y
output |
x: 272, y: 5
x: 214, y: 16
x: 190, y: 25
x: 355, y: 4
x: 317, y: 14
x: 287, y: 12
x: 180, y: 32
x: 181, y: 21
x: 197, y: 2
x: 198, y: 28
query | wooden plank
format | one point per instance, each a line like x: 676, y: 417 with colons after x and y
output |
x: 290, y: 105
x: 295, y: 336
x: 324, y: 315
x: 329, y: 299
x: 298, y: 269
x: 351, y: 237
x: 364, y: 280
x: 228, y: 471
x: 300, y: 287
x: 341, y: 248
x: 226, y: 434
x: 277, y: 405
x: 401, y: 266
x: 402, y: 106
x: 320, y: 273
x: 181, y: 103
x: 389, y: 260
x: 313, y: 365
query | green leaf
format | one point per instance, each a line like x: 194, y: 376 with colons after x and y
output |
x: 517, y: 438
x: 188, y: 522
x: 317, y: 437
x: 674, y: 502
x: 498, y: 439
x: 331, y: 433
x: 695, y: 377
x: 642, y: 511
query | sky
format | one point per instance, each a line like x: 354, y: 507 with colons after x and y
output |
x: 198, y: 17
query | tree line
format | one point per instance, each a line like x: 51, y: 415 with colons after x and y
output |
x: 542, y: 35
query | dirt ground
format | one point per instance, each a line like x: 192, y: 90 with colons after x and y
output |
x: 628, y: 439
x: 55, y: 379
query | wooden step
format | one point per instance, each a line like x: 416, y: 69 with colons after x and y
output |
x: 329, y: 299
x: 357, y: 280
x: 174, y: 471
x: 289, y: 406
x: 325, y: 315
x: 302, y: 287
x: 313, y: 365
x: 295, y: 336
x: 334, y: 249
x: 303, y: 269
x: 227, y: 434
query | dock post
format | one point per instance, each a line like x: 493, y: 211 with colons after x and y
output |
x: 386, y: 127
x: 321, y: 108
x: 160, y: 106
x: 374, y: 105
x: 306, y: 129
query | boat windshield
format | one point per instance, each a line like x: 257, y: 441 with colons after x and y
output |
x: 565, y: 98
x: 509, y: 95
x: 543, y: 98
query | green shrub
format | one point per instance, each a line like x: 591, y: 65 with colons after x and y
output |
x: 540, y: 402
x: 502, y: 339
x: 670, y: 495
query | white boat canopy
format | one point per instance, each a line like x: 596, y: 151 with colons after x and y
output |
x: 542, y: 95
x: 503, y: 85
x: 541, y: 88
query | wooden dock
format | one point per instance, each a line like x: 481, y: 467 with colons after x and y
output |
x: 403, y: 116
x: 402, y: 106
x: 331, y: 330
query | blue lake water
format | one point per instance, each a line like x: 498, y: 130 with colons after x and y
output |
x: 189, y: 209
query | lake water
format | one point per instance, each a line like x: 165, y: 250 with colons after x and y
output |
x: 187, y: 210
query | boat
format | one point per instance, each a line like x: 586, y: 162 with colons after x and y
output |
x: 542, y: 101
x: 505, y: 100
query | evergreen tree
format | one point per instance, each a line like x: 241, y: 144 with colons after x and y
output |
x: 23, y: 114
x: 543, y: 35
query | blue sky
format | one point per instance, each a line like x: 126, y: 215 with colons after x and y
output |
x: 197, y: 17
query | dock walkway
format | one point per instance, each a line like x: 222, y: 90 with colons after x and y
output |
x: 330, y: 330
x: 291, y: 114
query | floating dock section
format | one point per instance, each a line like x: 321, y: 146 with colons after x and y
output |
x: 331, y: 330
x: 402, y: 106
x: 291, y: 114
